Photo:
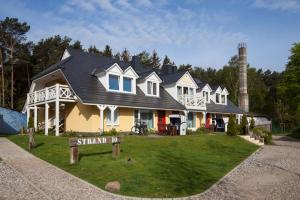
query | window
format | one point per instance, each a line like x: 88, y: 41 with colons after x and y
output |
x: 151, y: 88
x: 179, y: 90
x: 109, y: 117
x: 223, y: 99
x: 127, y: 84
x: 191, y: 122
x: 191, y: 91
x: 205, y: 96
x: 114, y: 82
x: 217, y: 98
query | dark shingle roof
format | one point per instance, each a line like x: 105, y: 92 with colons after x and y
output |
x: 171, y: 78
x: 218, y: 108
x: 89, y: 89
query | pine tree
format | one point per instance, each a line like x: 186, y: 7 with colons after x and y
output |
x: 231, y: 127
x: 243, y: 126
x: 166, y: 61
x: 144, y: 58
x: 125, y: 55
x: 155, y: 60
x: 117, y: 56
x: 107, y: 51
x: 93, y: 49
x: 252, y: 123
x: 76, y: 45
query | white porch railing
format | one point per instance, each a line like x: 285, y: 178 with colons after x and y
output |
x: 60, y: 92
x: 192, y: 101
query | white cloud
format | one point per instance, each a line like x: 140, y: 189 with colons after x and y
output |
x: 282, y: 5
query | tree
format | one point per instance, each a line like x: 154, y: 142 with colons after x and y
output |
x: 252, y: 123
x: 243, y: 126
x: 117, y: 56
x: 125, y: 55
x: 48, y: 51
x: 289, y: 88
x: 107, y: 51
x: 12, y: 34
x: 167, y: 61
x: 144, y: 58
x: 2, y: 94
x: 76, y: 45
x: 155, y: 60
x: 231, y: 127
x: 93, y: 49
x: 186, y: 67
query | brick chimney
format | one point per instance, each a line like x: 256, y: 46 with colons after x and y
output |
x: 242, y: 63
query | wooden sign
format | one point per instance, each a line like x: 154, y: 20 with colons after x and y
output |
x: 75, y: 142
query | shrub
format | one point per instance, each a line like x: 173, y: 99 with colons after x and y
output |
x: 231, y: 128
x: 264, y: 134
x: 112, y: 132
x: 243, y: 125
x: 252, y: 123
x: 190, y: 132
x: 202, y: 130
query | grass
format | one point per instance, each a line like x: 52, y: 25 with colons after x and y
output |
x: 159, y: 167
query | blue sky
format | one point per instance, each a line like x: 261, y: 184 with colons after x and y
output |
x: 200, y: 32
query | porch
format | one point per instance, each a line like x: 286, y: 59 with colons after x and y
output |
x: 192, y: 101
x: 55, y: 95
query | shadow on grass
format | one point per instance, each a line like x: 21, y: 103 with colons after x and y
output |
x: 93, y: 154
x: 39, y: 144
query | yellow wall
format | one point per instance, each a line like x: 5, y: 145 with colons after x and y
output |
x: 199, y: 120
x: 126, y: 120
x: 81, y: 118
x: 186, y: 80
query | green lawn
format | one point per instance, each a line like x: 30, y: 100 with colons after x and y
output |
x: 160, y: 167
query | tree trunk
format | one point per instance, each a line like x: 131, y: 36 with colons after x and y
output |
x: 2, y: 79
x: 12, y: 80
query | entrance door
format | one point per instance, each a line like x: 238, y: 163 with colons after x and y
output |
x: 161, y: 117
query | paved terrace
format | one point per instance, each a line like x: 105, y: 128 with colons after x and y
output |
x: 273, y: 172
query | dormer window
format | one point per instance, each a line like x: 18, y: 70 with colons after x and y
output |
x: 223, y: 99
x: 127, y: 84
x: 114, y: 82
x: 152, y: 88
x: 217, y: 98
x: 205, y: 96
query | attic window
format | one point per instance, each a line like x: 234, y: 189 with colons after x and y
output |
x: 127, y: 84
x: 217, y: 98
x: 152, y: 88
x: 223, y: 99
x: 114, y: 82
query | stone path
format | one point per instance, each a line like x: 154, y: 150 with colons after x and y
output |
x: 273, y: 172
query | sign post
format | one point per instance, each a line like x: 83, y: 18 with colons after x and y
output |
x: 75, y: 142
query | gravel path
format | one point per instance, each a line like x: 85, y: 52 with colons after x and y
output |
x: 273, y: 172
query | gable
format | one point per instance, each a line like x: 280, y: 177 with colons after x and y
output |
x: 206, y: 88
x: 115, y: 68
x: 153, y: 77
x: 225, y: 91
x: 65, y: 55
x: 219, y: 90
x: 187, y: 80
x: 130, y: 72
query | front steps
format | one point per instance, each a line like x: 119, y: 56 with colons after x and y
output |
x: 252, y: 140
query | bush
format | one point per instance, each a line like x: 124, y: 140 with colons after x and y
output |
x: 190, y: 132
x: 231, y: 128
x: 252, y: 123
x: 264, y: 134
x: 112, y: 132
x: 202, y: 130
x: 243, y: 125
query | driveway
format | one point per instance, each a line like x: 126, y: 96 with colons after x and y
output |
x: 273, y: 172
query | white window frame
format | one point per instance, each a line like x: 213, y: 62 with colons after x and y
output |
x: 219, y: 98
x: 223, y: 95
x: 120, y: 80
x: 157, y: 88
x: 109, y: 122
x: 132, y: 86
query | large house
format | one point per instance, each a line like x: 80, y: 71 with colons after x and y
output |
x: 86, y: 92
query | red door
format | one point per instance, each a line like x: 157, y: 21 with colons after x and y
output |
x: 161, y: 121
x: 161, y: 117
x: 207, y: 120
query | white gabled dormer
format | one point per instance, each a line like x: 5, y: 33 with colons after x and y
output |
x: 216, y: 95
x: 205, y: 93
x: 114, y: 79
x: 224, y: 96
x: 150, y: 85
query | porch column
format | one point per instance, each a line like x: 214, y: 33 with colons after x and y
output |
x: 101, y: 109
x: 112, y: 114
x: 35, y: 117
x: 57, y: 93
x: 28, y: 114
x: 204, y: 118
x: 46, y: 118
x: 56, y: 118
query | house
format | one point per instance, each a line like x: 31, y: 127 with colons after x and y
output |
x: 85, y: 92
